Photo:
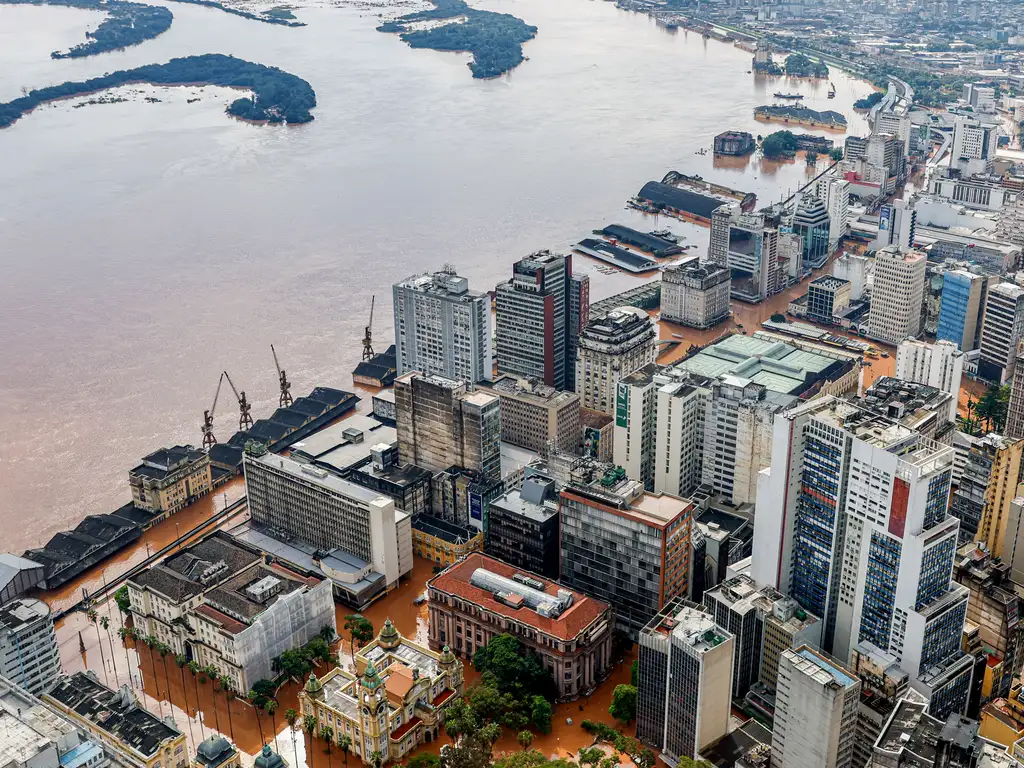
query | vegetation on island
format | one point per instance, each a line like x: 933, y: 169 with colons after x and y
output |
x: 779, y: 145
x: 836, y: 153
x: 868, y: 101
x: 495, y: 39
x: 277, y: 15
x: 277, y: 96
x: 801, y: 65
x: 125, y: 24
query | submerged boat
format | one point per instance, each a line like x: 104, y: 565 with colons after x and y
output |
x: 779, y: 95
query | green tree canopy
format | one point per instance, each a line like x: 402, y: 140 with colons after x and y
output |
x: 623, y: 705
x: 514, y: 669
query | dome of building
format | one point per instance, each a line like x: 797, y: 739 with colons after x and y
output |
x: 389, y: 636
x: 268, y: 758
x: 214, y: 751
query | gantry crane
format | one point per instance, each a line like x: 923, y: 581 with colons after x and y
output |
x: 208, y: 438
x: 368, y: 336
x: 244, y: 406
x: 282, y: 380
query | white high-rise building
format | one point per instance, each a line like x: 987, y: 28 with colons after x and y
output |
x: 815, y: 711
x: 898, y: 295
x: 897, y: 225
x: 1002, y: 326
x: 852, y: 523
x: 834, y: 192
x: 939, y: 365
x: 855, y: 269
x: 442, y: 328
x: 29, y: 655
x: 974, y: 143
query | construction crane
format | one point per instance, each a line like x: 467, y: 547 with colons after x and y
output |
x: 282, y: 379
x: 244, y: 406
x: 208, y: 438
x: 368, y: 336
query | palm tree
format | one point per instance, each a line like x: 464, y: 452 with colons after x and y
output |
x: 345, y: 742
x: 309, y: 726
x: 291, y: 717
x: 377, y: 757
x: 212, y: 674
x: 525, y: 739
x: 193, y: 667
x: 151, y: 643
x: 271, y: 708
x: 327, y: 734
x: 229, y: 696
x: 92, y: 616
x: 163, y: 649
x: 126, y: 633
x: 105, y: 623
x: 253, y: 697
x: 181, y: 660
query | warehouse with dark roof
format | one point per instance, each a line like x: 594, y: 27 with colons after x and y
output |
x: 682, y: 202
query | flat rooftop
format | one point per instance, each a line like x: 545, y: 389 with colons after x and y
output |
x: 442, y: 529
x: 356, y: 429
x: 821, y: 669
x: 21, y: 613
x: 309, y: 474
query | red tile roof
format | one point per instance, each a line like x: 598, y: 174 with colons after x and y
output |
x: 228, y: 624
x: 404, y: 728
x: 580, y: 615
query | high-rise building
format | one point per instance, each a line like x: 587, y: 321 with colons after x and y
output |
x: 747, y: 244
x: 898, y: 295
x: 442, y: 327
x: 827, y: 296
x: 963, y: 296
x: 939, y: 365
x: 787, y: 625
x: 535, y: 416
x: 635, y: 429
x: 897, y: 226
x: 815, y: 711
x: 441, y: 423
x: 1015, y: 407
x: 1002, y: 326
x: 625, y: 546
x: 855, y: 269
x: 853, y: 525
x: 812, y: 222
x: 987, y: 489
x: 733, y: 606
x: 834, y: 192
x: 523, y: 527
x: 539, y: 315
x: 620, y: 342
x: 684, y: 680
x: 696, y: 295
x: 974, y: 143
x: 29, y: 655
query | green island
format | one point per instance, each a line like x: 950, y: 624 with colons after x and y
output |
x: 868, y: 101
x: 799, y: 65
x: 277, y: 96
x: 125, y: 24
x: 495, y: 39
x: 279, y: 15
x: 778, y: 145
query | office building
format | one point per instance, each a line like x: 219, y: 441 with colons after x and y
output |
x: 897, y: 226
x: 310, y: 505
x: 913, y: 731
x: 677, y: 446
x: 625, y: 546
x: 939, y: 365
x: 523, y: 527
x: 442, y: 542
x: 963, y: 297
x: 1015, y: 407
x: 917, y: 407
x: 695, y: 295
x: 381, y: 471
x: 620, y: 342
x: 980, y: 99
x: 540, y: 313
x: 827, y: 297
x: 811, y: 222
x: 747, y: 244
x: 635, y: 429
x: 874, y: 165
x: 684, y: 678
x: 1002, y: 326
x: 898, y: 295
x: 170, y: 479
x: 732, y: 605
x: 883, y: 685
x: 536, y: 417
x: 442, y: 327
x: 786, y: 626
x: 479, y: 597
x: 721, y: 537
x: 815, y: 711
x: 880, y: 571
x: 393, y: 702
x: 856, y: 269
x: 834, y: 192
x: 463, y: 496
x: 974, y: 144
x: 130, y: 734
x: 987, y: 488
x: 441, y: 423
x: 29, y: 656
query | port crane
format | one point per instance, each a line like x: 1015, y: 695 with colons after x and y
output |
x: 244, y: 406
x: 208, y: 438
x: 282, y: 379
x: 368, y: 335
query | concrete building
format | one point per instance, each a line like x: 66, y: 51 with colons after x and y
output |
x: 442, y: 542
x: 635, y: 429
x: 29, y: 656
x: 1015, y: 407
x: 897, y: 226
x: 18, y: 575
x: 620, y: 342
x: 695, y: 295
x: 393, y: 703
x: 540, y: 313
x: 786, y: 626
x: 917, y: 407
x: 1002, y: 326
x: 815, y: 712
x: 827, y: 297
x: 129, y: 733
x: 811, y: 221
x: 479, y: 598
x: 334, y: 515
x: 963, y: 297
x: 939, y: 365
x: 883, y: 685
x: 898, y: 295
x: 170, y: 479
x: 440, y: 423
x: 980, y: 99
x: 974, y: 144
x: 987, y: 488
x: 523, y: 527
x: 535, y: 416
x: 856, y: 269
x: 747, y: 244
x: 881, y: 570
x: 382, y: 472
x: 648, y: 534
x: 912, y: 731
x: 874, y: 165
x: 442, y: 327
x: 684, y: 677
x: 834, y: 192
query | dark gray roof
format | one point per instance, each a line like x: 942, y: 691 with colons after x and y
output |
x: 659, y: 246
x: 680, y: 199
x: 227, y: 455
x: 309, y: 407
x: 290, y: 418
x: 442, y: 529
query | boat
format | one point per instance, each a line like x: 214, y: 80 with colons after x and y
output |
x: 831, y: 89
x: 779, y: 95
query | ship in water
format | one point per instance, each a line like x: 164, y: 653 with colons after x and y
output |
x: 779, y: 95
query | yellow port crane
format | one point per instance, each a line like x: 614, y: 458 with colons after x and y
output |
x: 368, y: 335
x: 244, y: 406
x: 208, y: 437
x: 282, y: 379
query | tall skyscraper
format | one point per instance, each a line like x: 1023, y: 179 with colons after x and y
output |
x: 834, y: 192
x: 540, y: 314
x: 442, y: 327
x: 1015, y: 408
x: 747, y: 244
x: 684, y: 681
x: 852, y: 523
x: 963, y: 297
x: 812, y: 222
x: 939, y: 365
x: 897, y: 226
x: 898, y: 295
x: 1002, y: 326
x: 611, y: 347
x: 986, y: 491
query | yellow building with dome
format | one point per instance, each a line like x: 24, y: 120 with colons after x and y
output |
x: 392, y: 703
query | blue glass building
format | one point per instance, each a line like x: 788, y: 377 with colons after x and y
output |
x: 960, y: 308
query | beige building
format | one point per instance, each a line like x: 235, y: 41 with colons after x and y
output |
x: 695, y: 294
x: 170, y: 479
x: 898, y: 295
x: 611, y: 347
x: 786, y: 625
x: 534, y: 415
x: 394, y: 702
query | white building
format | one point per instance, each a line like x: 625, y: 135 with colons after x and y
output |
x: 1002, y: 325
x: 442, y: 327
x: 897, y: 295
x: 695, y: 295
x: 815, y: 711
x: 939, y: 365
x: 635, y: 426
x: 834, y: 192
x: 974, y: 144
x: 897, y: 225
x: 29, y: 656
x: 856, y: 270
x: 611, y: 347
x: 981, y: 99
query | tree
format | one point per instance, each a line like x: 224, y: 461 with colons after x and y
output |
x: 309, y: 726
x: 181, y: 661
x: 623, y: 705
x: 589, y: 756
x: 424, y: 760
x: 779, y: 144
x: 291, y: 717
x: 212, y: 674
x: 327, y: 734
x: 271, y: 708
x: 525, y: 739
x: 345, y: 744
x: 376, y: 757
x: 836, y: 153
x: 459, y: 719
x: 92, y: 616
x: 540, y: 713
x: 514, y: 669
x: 487, y: 702
x: 229, y: 696
x: 257, y: 700
x: 775, y: 318
x: 124, y: 602
x: 359, y: 628
x: 473, y: 749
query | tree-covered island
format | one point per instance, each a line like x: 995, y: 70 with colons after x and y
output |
x: 495, y: 39
x: 799, y: 65
x: 277, y: 96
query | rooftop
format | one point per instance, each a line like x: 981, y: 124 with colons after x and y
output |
x: 696, y: 629
x: 830, y: 282
x: 357, y: 429
x: 680, y: 199
x: 21, y: 613
x: 536, y: 501
x: 442, y: 529
x: 531, y: 390
x: 328, y: 481
x: 445, y: 284
x: 824, y: 671
x: 159, y: 464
